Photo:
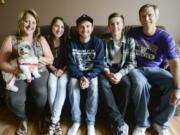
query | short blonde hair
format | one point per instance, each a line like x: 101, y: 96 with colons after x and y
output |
x: 155, y: 8
x: 21, y: 17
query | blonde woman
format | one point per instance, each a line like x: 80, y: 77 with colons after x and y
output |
x: 27, y: 30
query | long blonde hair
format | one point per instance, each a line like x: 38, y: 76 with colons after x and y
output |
x: 21, y: 17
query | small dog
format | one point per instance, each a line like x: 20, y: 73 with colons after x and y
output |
x: 26, y: 61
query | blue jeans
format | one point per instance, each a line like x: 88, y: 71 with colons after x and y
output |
x: 57, y: 94
x: 114, y: 98
x: 141, y: 79
x: 91, y: 101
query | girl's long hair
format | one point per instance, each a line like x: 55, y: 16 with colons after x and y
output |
x: 63, y: 39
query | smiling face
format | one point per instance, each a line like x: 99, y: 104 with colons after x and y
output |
x: 58, y: 28
x: 116, y: 26
x: 29, y: 24
x: 85, y: 29
x: 148, y: 17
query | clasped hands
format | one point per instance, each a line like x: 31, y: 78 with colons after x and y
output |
x: 84, y: 83
x: 58, y: 72
x: 114, y: 78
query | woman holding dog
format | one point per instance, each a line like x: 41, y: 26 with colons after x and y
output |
x: 27, y: 30
x: 58, y: 76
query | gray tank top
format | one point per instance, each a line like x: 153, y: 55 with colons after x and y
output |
x: 36, y: 45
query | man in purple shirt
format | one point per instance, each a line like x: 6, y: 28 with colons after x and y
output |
x: 152, y: 46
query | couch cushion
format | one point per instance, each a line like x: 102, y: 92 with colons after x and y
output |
x: 45, y: 30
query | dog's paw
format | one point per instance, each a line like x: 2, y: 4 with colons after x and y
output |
x: 12, y: 88
x: 37, y: 75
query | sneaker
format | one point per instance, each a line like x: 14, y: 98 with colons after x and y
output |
x: 160, y: 129
x: 120, y: 130
x: 74, y: 129
x: 139, y: 131
x: 91, y: 130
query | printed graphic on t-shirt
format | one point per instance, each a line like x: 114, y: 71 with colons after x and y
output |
x: 146, y: 49
x: 84, y: 59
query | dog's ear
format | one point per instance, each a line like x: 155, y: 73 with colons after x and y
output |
x: 28, y: 47
x: 19, y: 48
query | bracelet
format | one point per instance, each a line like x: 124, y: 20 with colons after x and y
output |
x: 177, y: 88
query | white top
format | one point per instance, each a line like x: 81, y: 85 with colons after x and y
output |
x: 117, y: 52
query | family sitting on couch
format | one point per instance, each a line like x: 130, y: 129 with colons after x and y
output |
x: 117, y: 68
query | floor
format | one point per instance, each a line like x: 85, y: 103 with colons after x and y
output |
x: 8, y: 123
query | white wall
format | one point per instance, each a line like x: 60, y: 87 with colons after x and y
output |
x: 98, y: 9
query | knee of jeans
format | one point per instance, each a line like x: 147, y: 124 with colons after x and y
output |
x: 73, y: 83
x: 104, y: 83
x: 126, y: 84
x: 94, y: 83
x: 140, y: 88
x: 13, y: 102
x: 64, y: 77
x: 40, y: 93
x: 63, y: 81
x: 73, y: 87
x: 51, y: 86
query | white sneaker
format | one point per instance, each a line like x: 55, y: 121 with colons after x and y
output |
x: 73, y: 130
x: 120, y: 130
x: 139, y: 131
x: 160, y: 129
x: 91, y: 130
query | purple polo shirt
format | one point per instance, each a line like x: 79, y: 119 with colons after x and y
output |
x: 151, y: 50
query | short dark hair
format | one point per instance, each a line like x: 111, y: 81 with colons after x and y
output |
x: 156, y: 10
x: 116, y: 15
x: 82, y: 18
